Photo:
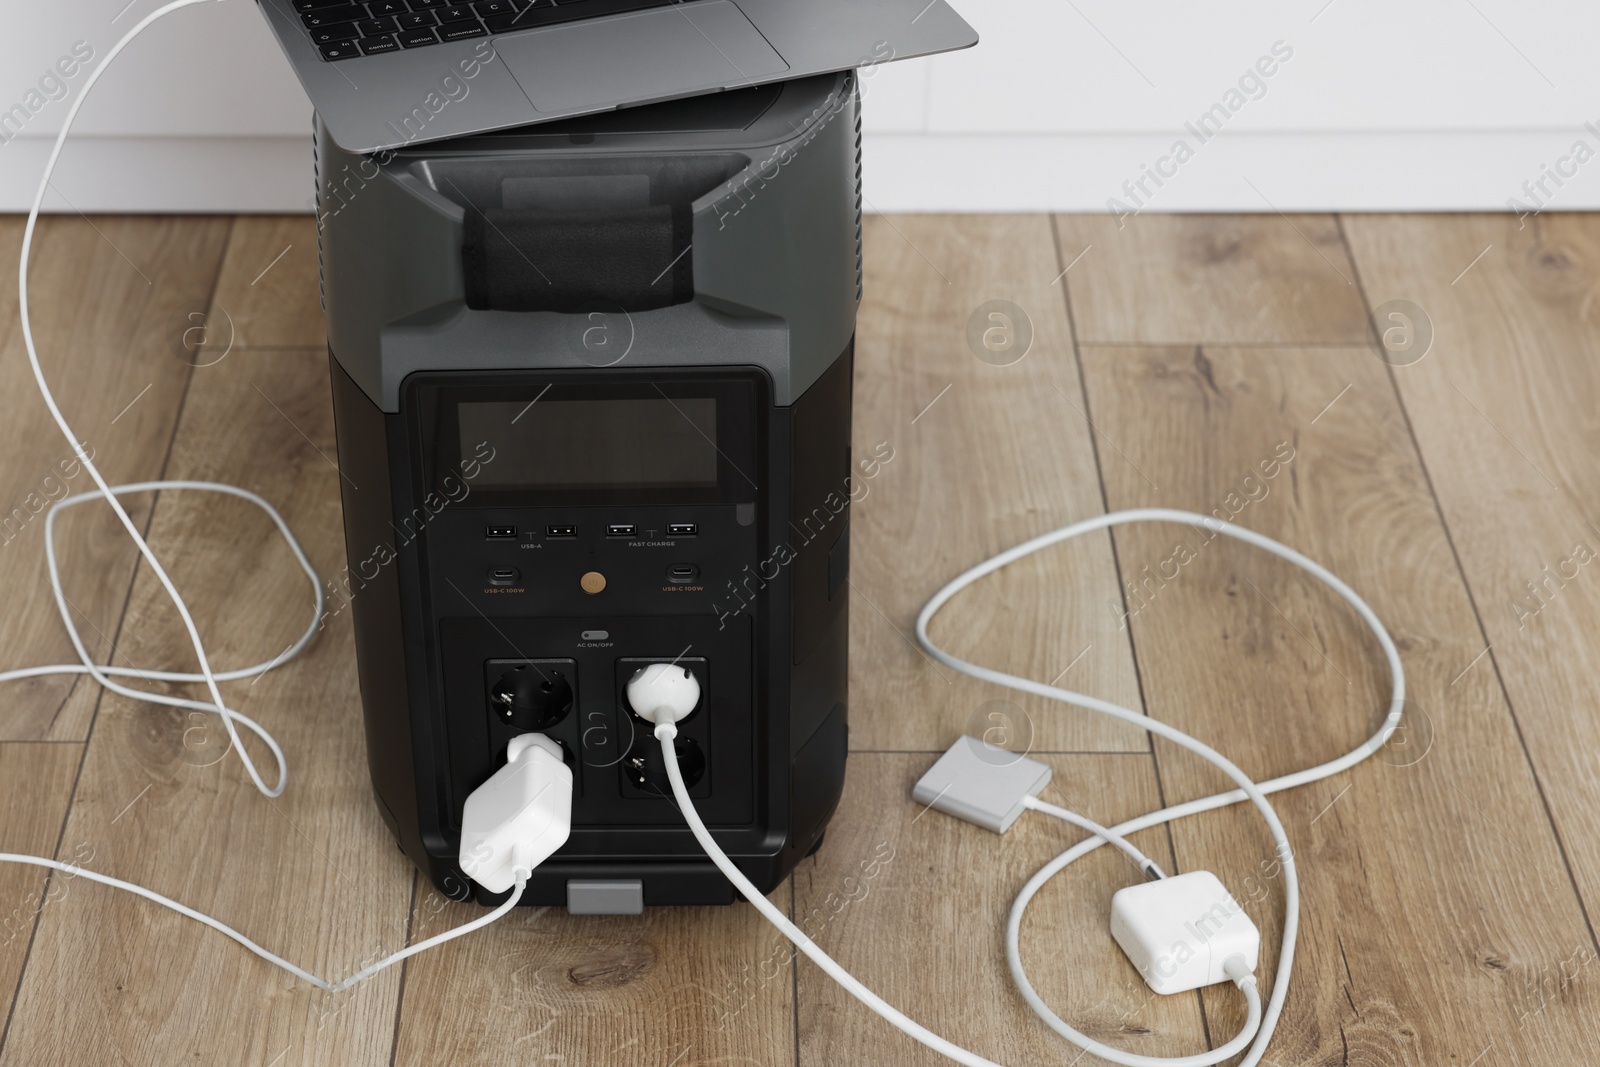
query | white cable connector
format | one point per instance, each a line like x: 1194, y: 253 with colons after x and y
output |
x: 663, y: 692
x: 523, y: 813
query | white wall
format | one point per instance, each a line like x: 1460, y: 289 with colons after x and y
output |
x: 1378, y: 105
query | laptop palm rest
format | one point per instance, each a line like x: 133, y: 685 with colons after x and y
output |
x: 651, y: 55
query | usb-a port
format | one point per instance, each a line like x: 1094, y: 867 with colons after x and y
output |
x: 621, y: 529
x: 561, y: 531
x: 500, y: 533
x: 680, y: 529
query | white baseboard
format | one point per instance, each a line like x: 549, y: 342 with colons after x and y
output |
x: 1422, y: 171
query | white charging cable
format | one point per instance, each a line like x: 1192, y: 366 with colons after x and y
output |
x: 1248, y: 789
x: 103, y: 673
x: 665, y: 732
x: 1145, y: 864
x: 208, y: 676
x: 1260, y: 1023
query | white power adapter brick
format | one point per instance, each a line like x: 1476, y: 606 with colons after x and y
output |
x: 523, y: 813
x: 1181, y: 932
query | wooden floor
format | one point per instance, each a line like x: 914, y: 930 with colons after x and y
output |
x: 1449, y: 883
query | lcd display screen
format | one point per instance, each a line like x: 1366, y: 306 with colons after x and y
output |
x: 619, y: 443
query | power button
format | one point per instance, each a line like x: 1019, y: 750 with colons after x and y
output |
x: 593, y: 582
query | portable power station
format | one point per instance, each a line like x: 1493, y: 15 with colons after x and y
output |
x: 592, y: 391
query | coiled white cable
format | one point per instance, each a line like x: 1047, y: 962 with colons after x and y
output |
x: 1260, y: 1023
x: 207, y: 675
x: 1248, y: 790
x: 103, y: 673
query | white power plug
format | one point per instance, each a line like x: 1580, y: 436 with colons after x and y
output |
x: 663, y: 693
x: 523, y: 813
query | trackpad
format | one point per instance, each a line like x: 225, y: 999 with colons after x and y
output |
x: 630, y: 59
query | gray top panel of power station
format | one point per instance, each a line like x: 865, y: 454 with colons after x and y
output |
x: 770, y: 175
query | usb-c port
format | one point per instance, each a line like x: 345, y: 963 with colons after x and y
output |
x: 621, y: 529
x: 680, y: 529
x: 503, y: 576
x: 682, y: 573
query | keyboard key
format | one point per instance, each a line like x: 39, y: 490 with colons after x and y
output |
x: 302, y: 6
x: 456, y: 13
x: 417, y: 38
x: 333, y: 16
x: 537, y: 15
x: 490, y: 8
x: 460, y: 31
x: 503, y: 23
x: 344, y: 31
x: 342, y: 50
x: 417, y: 20
x: 426, y: 5
x: 376, y: 27
x: 381, y: 8
x: 371, y: 46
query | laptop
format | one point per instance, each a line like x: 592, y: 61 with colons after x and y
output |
x: 388, y: 73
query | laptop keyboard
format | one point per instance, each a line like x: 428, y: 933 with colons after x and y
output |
x: 345, y: 29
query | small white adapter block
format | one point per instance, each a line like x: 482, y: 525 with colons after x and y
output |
x: 981, y: 784
x: 523, y: 813
x: 1181, y: 931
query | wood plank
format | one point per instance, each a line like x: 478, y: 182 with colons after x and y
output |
x: 313, y: 875
x: 914, y: 904
x: 109, y: 300
x: 35, y: 789
x: 267, y: 291
x: 1435, y: 900
x: 983, y: 456
x: 1173, y: 279
x: 679, y: 986
x: 1505, y: 411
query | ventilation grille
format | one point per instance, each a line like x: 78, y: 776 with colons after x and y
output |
x: 857, y: 97
x: 316, y: 211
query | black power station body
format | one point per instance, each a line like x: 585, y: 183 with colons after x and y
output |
x: 592, y: 390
